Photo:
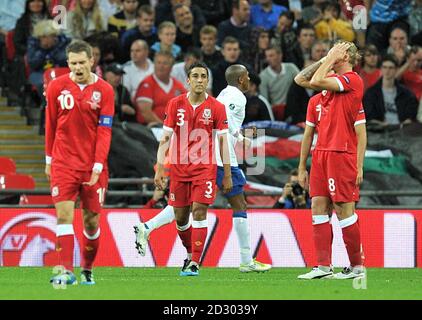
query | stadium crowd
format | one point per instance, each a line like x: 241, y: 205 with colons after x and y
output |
x: 144, y: 49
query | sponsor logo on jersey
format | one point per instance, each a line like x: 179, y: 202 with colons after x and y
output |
x: 65, y: 92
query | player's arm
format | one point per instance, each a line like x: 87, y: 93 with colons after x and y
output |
x: 225, y: 157
x: 320, y: 80
x: 145, y: 108
x: 50, y: 126
x: 360, y: 130
x: 305, y: 149
x: 103, y: 138
x: 303, y: 78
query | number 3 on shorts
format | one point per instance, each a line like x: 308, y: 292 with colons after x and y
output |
x: 331, y: 185
x: 208, y: 192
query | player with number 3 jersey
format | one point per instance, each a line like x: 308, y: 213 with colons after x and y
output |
x: 79, y: 115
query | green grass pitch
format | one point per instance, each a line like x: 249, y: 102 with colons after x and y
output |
x: 212, y: 284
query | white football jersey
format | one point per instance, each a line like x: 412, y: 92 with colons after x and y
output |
x: 234, y: 101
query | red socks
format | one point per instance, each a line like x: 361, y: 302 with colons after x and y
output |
x: 323, y: 239
x: 90, y: 244
x: 199, y: 236
x: 185, y: 234
x: 65, y: 245
x: 351, y: 237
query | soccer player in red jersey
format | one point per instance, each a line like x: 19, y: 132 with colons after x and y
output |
x: 191, y: 120
x: 337, y: 161
x: 79, y: 114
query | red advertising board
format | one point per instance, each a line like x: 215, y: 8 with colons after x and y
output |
x: 280, y: 237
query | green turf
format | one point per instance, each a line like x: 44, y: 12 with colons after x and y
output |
x: 212, y: 284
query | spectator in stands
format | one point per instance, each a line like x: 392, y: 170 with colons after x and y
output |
x: 156, y: 90
x: 109, y: 8
x: 165, y: 11
x: 187, y: 34
x: 138, y: 68
x: 294, y: 196
x: 265, y: 14
x: 180, y: 69
x: 214, y: 11
x: 257, y: 107
x: 415, y: 22
x: 319, y: 50
x: 260, y: 38
x: 124, y: 19
x: 237, y: 26
x: 167, y: 37
x: 410, y: 73
x: 46, y: 49
x: 124, y: 110
x: 96, y: 54
x: 10, y: 12
x: 276, y: 80
x: 384, y: 17
x: 332, y: 27
x: 399, y: 46
x: 389, y: 102
x: 86, y: 20
x: 231, y: 55
x: 312, y: 14
x: 301, y: 52
x: 284, y: 36
x: 144, y: 30
x: 370, y: 72
x: 211, y: 54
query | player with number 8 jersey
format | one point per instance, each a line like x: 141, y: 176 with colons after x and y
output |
x: 79, y: 116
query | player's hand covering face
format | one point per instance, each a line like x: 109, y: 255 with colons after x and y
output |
x: 80, y: 64
x: 198, y: 80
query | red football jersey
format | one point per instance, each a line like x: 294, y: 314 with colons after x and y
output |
x: 158, y: 93
x: 313, y: 113
x: 78, y: 123
x: 369, y: 79
x: 192, y: 157
x: 340, y: 112
x: 413, y: 81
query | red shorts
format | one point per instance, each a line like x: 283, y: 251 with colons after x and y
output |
x: 184, y: 193
x: 66, y: 185
x: 333, y: 175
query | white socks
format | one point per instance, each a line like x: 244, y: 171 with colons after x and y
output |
x: 242, y: 231
x: 165, y: 216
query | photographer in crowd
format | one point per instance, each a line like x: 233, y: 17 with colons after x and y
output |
x: 294, y: 196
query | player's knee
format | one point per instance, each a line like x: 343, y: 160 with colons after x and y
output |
x: 199, y: 213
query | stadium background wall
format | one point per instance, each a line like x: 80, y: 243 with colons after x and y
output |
x: 281, y: 237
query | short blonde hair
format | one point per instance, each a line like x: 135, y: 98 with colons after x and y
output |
x: 45, y: 28
x: 353, y: 51
x: 166, y: 24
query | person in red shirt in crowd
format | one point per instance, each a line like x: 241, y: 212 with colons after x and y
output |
x: 370, y: 73
x: 191, y: 121
x: 411, y: 72
x: 156, y: 90
x: 337, y: 161
x: 79, y: 116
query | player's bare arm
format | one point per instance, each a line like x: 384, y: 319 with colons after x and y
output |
x: 320, y: 79
x: 362, y: 140
x: 160, y: 180
x: 304, y: 77
x: 225, y: 157
x: 305, y: 149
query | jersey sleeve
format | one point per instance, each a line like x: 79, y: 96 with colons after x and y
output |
x: 144, y: 92
x: 360, y: 118
x: 105, y: 123
x: 311, y: 113
x: 50, y: 120
x: 169, y: 118
x: 347, y: 81
x: 220, y: 121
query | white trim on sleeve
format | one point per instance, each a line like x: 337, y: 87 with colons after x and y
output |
x: 222, y: 131
x: 340, y: 85
x: 360, y: 122
x: 168, y: 129
x: 98, y: 167
x: 308, y: 123
x: 139, y: 99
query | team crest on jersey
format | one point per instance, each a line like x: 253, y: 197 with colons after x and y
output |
x: 324, y: 92
x: 206, y: 116
x: 232, y: 106
x: 96, y: 96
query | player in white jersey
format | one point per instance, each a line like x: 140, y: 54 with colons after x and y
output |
x: 232, y: 97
